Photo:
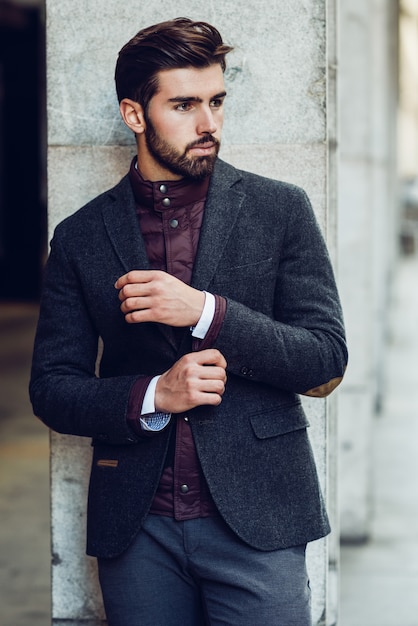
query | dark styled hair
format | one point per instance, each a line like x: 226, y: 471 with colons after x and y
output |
x: 174, y: 44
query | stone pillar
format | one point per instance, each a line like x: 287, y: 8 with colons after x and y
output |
x: 367, y: 204
x: 280, y: 116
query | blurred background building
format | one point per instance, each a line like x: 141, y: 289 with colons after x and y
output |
x: 408, y: 122
x: 372, y: 180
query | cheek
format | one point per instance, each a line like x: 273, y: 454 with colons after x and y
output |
x: 176, y: 132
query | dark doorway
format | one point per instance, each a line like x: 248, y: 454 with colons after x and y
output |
x: 22, y: 150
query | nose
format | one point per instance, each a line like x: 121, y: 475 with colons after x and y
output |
x: 206, y: 122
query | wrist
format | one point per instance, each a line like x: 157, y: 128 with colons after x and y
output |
x: 198, y: 307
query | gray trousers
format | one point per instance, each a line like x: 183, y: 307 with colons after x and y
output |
x: 197, y: 573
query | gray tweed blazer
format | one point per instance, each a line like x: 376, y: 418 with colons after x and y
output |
x: 261, y: 248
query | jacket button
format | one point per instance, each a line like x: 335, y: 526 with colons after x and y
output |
x: 174, y: 223
x: 246, y: 371
x: 184, y: 488
x: 163, y: 188
x: 166, y: 202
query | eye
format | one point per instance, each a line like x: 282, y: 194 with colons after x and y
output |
x: 216, y: 103
x: 184, y: 106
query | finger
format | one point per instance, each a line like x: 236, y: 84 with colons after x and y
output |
x: 122, y: 281
x: 214, y: 386
x: 211, y: 356
x: 135, y: 304
x: 212, y: 372
x: 136, y: 290
x: 212, y: 398
x: 134, y: 276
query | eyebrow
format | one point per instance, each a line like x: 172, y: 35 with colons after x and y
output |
x: 222, y: 94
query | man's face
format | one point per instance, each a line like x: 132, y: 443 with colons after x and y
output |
x: 183, y: 124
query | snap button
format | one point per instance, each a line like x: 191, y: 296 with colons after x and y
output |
x: 186, y: 419
x: 163, y: 188
x: 174, y: 223
x: 184, y: 488
x: 166, y: 201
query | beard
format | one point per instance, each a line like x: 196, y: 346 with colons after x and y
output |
x: 166, y: 155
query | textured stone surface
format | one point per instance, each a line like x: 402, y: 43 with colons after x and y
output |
x: 76, y: 592
x: 276, y: 75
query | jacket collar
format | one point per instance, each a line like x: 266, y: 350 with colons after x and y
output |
x: 121, y: 222
x: 166, y: 195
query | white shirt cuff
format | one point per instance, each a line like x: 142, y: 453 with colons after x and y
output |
x: 148, y: 403
x: 153, y: 420
x: 199, y: 331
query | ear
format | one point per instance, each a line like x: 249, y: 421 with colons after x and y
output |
x: 133, y: 115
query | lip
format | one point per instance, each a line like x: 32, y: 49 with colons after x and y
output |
x: 203, y: 148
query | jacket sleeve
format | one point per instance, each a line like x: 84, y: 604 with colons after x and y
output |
x: 65, y: 392
x: 299, y: 346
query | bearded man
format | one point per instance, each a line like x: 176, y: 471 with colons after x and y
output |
x: 213, y: 296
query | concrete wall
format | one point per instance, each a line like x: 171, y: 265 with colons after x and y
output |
x: 280, y: 121
x: 367, y: 238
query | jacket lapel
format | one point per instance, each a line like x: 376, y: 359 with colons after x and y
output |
x: 221, y: 212
x: 121, y: 222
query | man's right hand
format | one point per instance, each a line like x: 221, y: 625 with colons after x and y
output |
x: 196, y: 379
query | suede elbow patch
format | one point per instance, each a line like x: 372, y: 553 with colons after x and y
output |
x: 324, y: 390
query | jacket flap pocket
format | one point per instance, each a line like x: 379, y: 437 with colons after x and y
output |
x: 279, y: 421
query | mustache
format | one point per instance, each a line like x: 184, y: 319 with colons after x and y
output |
x: 205, y: 139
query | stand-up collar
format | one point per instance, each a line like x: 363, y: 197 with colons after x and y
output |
x: 163, y: 195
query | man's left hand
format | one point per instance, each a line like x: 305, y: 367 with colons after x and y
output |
x: 155, y: 296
